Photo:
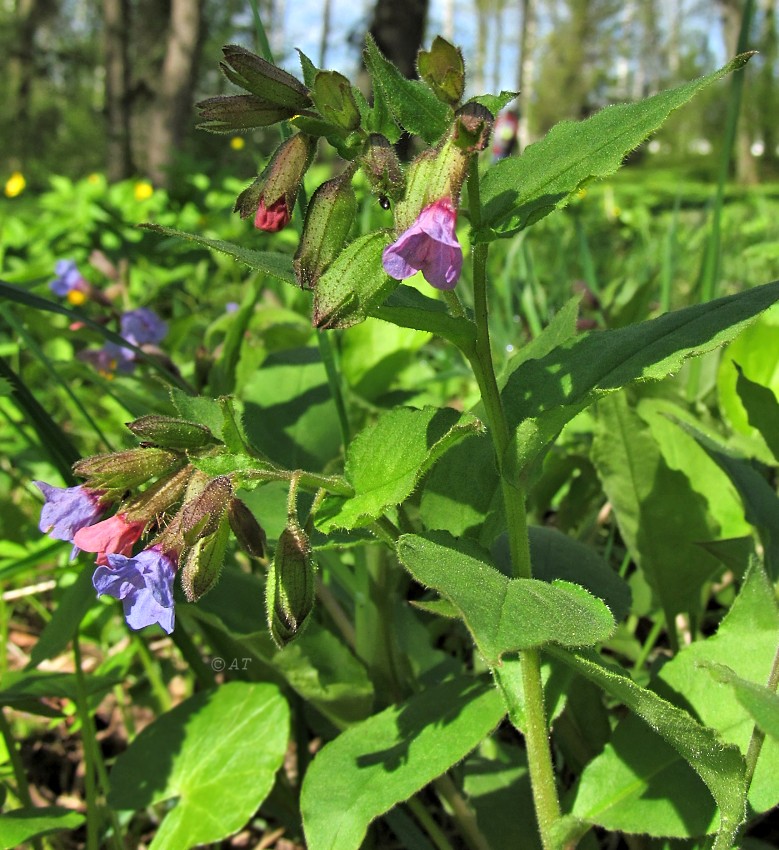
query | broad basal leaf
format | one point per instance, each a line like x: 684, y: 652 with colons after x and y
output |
x: 542, y: 395
x: 519, y: 191
x: 385, y: 759
x: 762, y: 409
x: 20, y: 826
x: 504, y: 614
x: 217, y: 754
x: 385, y: 461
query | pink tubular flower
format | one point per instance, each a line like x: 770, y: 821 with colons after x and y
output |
x: 143, y: 583
x: 115, y: 535
x: 430, y: 245
x: 272, y: 218
x: 68, y: 510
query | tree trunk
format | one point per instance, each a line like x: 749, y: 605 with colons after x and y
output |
x: 527, y: 48
x: 116, y: 23
x: 398, y: 28
x: 172, y: 106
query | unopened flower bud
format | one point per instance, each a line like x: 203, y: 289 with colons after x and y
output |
x: 159, y: 498
x: 332, y: 96
x: 472, y: 127
x: 290, y: 588
x: 271, y: 197
x: 248, y: 532
x: 381, y: 166
x: 229, y: 114
x: 170, y: 433
x: 201, y: 515
x: 329, y: 217
x: 203, y: 562
x: 263, y: 79
x: 443, y: 69
x: 122, y: 471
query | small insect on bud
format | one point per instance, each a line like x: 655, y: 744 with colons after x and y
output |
x: 290, y: 588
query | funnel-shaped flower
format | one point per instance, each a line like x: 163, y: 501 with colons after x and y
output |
x: 144, y: 584
x: 115, y: 535
x: 430, y: 245
x: 67, y: 510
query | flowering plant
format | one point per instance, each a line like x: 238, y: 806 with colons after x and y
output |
x: 420, y: 618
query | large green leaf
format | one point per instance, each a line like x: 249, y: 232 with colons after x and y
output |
x: 661, y: 518
x: 719, y: 765
x: 518, y: 191
x: 275, y: 265
x: 762, y: 409
x: 217, y: 753
x: 20, y: 826
x: 761, y: 703
x: 542, y: 395
x: 630, y: 785
x: 24, y: 690
x: 385, y: 759
x: 412, y: 103
x: 504, y: 614
x: 385, y: 461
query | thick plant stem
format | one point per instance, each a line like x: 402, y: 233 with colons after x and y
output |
x: 758, y: 736
x: 539, y: 757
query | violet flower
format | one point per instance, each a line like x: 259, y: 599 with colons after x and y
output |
x: 144, y: 584
x: 430, y: 245
x: 68, y: 279
x: 67, y: 510
x: 142, y: 327
x: 113, y: 536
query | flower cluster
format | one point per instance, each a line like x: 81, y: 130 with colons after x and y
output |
x: 425, y: 194
x: 185, y: 515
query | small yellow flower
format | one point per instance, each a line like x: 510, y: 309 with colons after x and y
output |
x: 237, y: 143
x: 76, y: 297
x: 93, y: 178
x: 581, y: 193
x: 143, y: 190
x: 15, y: 184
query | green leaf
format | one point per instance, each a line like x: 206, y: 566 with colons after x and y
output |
x: 20, y: 826
x: 503, y: 614
x: 382, y: 761
x: 761, y: 504
x: 762, y: 409
x: 661, y: 518
x: 217, y: 752
x: 23, y: 690
x: 719, y: 765
x: 385, y: 461
x: 275, y: 265
x: 542, y: 395
x: 518, y: 191
x: 494, y: 102
x: 762, y: 704
x: 412, y: 103
x: 288, y: 411
x: 5, y: 387
x: 70, y: 610
x: 354, y: 285
x: 409, y: 308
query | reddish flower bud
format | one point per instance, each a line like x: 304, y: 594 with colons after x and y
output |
x: 273, y: 218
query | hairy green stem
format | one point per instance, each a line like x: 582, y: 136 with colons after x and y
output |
x: 758, y: 736
x: 536, y: 733
x: 428, y: 824
x: 463, y: 813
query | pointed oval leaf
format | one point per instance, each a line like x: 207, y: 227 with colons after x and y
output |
x: 504, y: 615
x: 385, y: 759
x: 219, y: 771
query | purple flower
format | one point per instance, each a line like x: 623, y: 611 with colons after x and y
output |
x: 430, y: 245
x: 68, y: 510
x: 142, y: 327
x: 68, y: 279
x: 110, y: 359
x: 144, y: 584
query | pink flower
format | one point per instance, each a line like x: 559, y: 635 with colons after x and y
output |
x: 272, y: 218
x: 430, y: 245
x: 115, y: 535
